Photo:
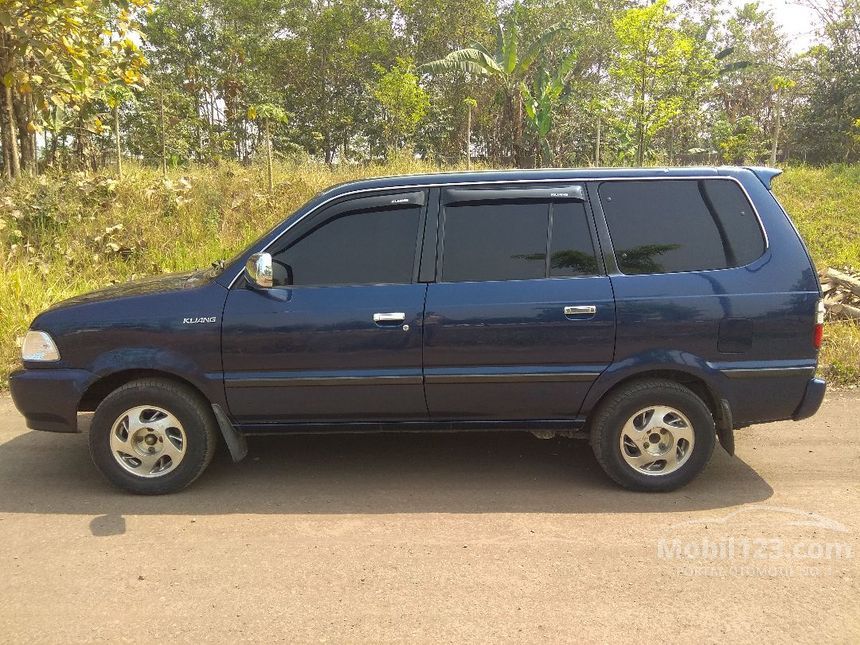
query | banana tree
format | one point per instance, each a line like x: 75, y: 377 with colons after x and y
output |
x: 540, y: 102
x: 507, y: 65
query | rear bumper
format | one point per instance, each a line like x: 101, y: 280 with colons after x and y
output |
x: 812, y: 399
x: 48, y: 398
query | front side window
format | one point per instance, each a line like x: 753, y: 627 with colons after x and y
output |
x: 353, y: 247
x: 666, y: 226
x: 516, y: 240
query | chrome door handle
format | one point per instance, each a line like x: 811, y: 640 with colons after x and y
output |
x: 581, y: 310
x: 390, y: 317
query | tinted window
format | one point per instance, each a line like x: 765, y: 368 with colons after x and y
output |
x: 495, y: 241
x: 680, y: 225
x: 571, y: 248
x: 357, y: 247
x: 507, y: 240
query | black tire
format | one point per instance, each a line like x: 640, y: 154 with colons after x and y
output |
x: 185, y: 404
x: 614, y: 411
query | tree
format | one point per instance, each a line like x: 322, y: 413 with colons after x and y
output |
x: 506, y: 66
x: 114, y: 97
x: 214, y: 59
x: 751, y: 97
x: 322, y: 76
x: 59, y: 55
x: 430, y: 30
x: 826, y: 129
x: 268, y: 114
x: 541, y: 100
x: 652, y: 54
x: 404, y: 103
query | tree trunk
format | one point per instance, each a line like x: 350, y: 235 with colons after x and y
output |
x: 25, y: 138
x: 14, y: 156
x: 7, y: 120
x: 671, y: 145
x: 518, y: 132
x: 269, y: 156
x: 640, y: 147
x: 52, y: 151
x: 329, y: 152
x: 161, y: 128
x: 597, y: 142
x: 118, y: 141
x: 34, y: 143
x: 4, y: 137
x: 776, y: 127
x: 469, y: 138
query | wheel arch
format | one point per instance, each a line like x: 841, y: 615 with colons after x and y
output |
x: 99, y: 389
x: 695, y: 383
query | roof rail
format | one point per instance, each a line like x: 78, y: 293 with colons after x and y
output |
x: 764, y: 174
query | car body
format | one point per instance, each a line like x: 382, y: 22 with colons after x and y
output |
x: 465, y: 313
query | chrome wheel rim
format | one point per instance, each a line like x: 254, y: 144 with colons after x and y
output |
x: 657, y: 440
x: 147, y: 441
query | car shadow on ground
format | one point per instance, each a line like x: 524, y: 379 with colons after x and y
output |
x: 383, y: 473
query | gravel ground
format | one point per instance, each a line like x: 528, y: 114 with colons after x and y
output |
x: 437, y: 538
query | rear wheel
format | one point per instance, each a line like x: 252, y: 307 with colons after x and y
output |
x: 153, y: 436
x: 652, y: 435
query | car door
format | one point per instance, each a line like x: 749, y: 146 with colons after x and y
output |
x: 338, y: 336
x: 521, y: 318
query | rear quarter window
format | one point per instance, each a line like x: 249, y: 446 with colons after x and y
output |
x: 667, y: 226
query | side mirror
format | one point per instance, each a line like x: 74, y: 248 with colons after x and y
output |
x: 258, y: 269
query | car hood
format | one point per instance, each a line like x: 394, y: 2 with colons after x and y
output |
x: 144, y: 286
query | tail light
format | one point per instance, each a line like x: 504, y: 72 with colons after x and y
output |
x: 818, y: 334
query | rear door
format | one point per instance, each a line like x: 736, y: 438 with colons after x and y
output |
x: 521, y: 318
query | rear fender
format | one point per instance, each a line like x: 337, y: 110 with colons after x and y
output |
x: 658, y: 362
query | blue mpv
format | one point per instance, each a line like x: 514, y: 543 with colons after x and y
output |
x: 654, y: 311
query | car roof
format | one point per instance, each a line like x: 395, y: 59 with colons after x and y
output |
x: 543, y: 174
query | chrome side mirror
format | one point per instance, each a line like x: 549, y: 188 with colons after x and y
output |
x: 259, y: 270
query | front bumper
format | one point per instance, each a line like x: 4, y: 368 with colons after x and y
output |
x: 48, y: 398
x: 812, y: 399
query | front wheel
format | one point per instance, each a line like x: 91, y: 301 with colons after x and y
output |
x: 653, y: 435
x: 153, y: 436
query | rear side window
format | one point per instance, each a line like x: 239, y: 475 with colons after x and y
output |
x: 495, y: 241
x: 667, y: 226
x: 571, y: 248
x: 516, y: 240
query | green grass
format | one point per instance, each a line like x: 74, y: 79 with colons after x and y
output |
x: 63, y: 235
x: 824, y: 203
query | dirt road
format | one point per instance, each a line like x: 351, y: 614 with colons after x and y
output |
x: 483, y: 538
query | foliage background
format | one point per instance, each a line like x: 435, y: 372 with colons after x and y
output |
x: 69, y: 233
x: 143, y: 136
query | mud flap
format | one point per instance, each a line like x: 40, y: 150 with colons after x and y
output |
x: 236, y: 443
x: 725, y: 430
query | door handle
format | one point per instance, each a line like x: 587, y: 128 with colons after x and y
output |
x: 580, y: 310
x: 389, y: 318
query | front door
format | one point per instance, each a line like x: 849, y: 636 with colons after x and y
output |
x: 338, y: 337
x: 521, y: 319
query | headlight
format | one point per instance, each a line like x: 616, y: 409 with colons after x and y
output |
x: 38, y: 346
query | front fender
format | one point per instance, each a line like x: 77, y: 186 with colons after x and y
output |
x: 160, y: 359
